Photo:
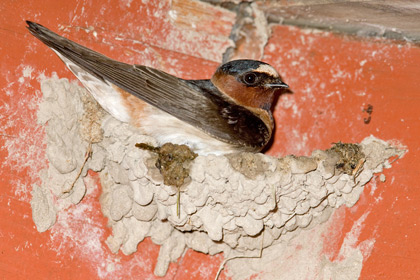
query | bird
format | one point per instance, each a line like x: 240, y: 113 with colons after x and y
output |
x: 228, y: 113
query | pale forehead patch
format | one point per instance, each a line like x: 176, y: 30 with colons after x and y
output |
x: 267, y: 69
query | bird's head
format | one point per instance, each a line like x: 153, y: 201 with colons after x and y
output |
x: 250, y: 83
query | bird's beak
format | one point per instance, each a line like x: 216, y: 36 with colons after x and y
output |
x: 277, y: 84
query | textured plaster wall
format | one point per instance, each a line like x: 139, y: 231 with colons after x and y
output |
x: 333, y: 77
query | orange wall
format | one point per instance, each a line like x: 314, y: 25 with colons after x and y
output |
x: 333, y: 78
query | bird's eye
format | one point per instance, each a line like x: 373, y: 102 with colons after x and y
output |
x: 250, y: 79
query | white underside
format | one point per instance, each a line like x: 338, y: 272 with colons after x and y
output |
x: 158, y: 124
x: 109, y: 99
x: 166, y: 128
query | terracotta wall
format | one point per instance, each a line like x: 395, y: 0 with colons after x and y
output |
x: 334, y: 78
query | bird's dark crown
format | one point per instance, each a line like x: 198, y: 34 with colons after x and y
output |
x: 239, y: 66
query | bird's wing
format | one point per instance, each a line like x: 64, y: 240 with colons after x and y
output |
x: 198, y: 103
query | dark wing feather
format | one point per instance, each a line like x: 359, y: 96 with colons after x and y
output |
x: 198, y: 103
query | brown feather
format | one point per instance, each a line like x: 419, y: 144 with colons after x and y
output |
x: 135, y: 106
x: 254, y: 97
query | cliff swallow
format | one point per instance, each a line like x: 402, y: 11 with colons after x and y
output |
x: 228, y: 113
